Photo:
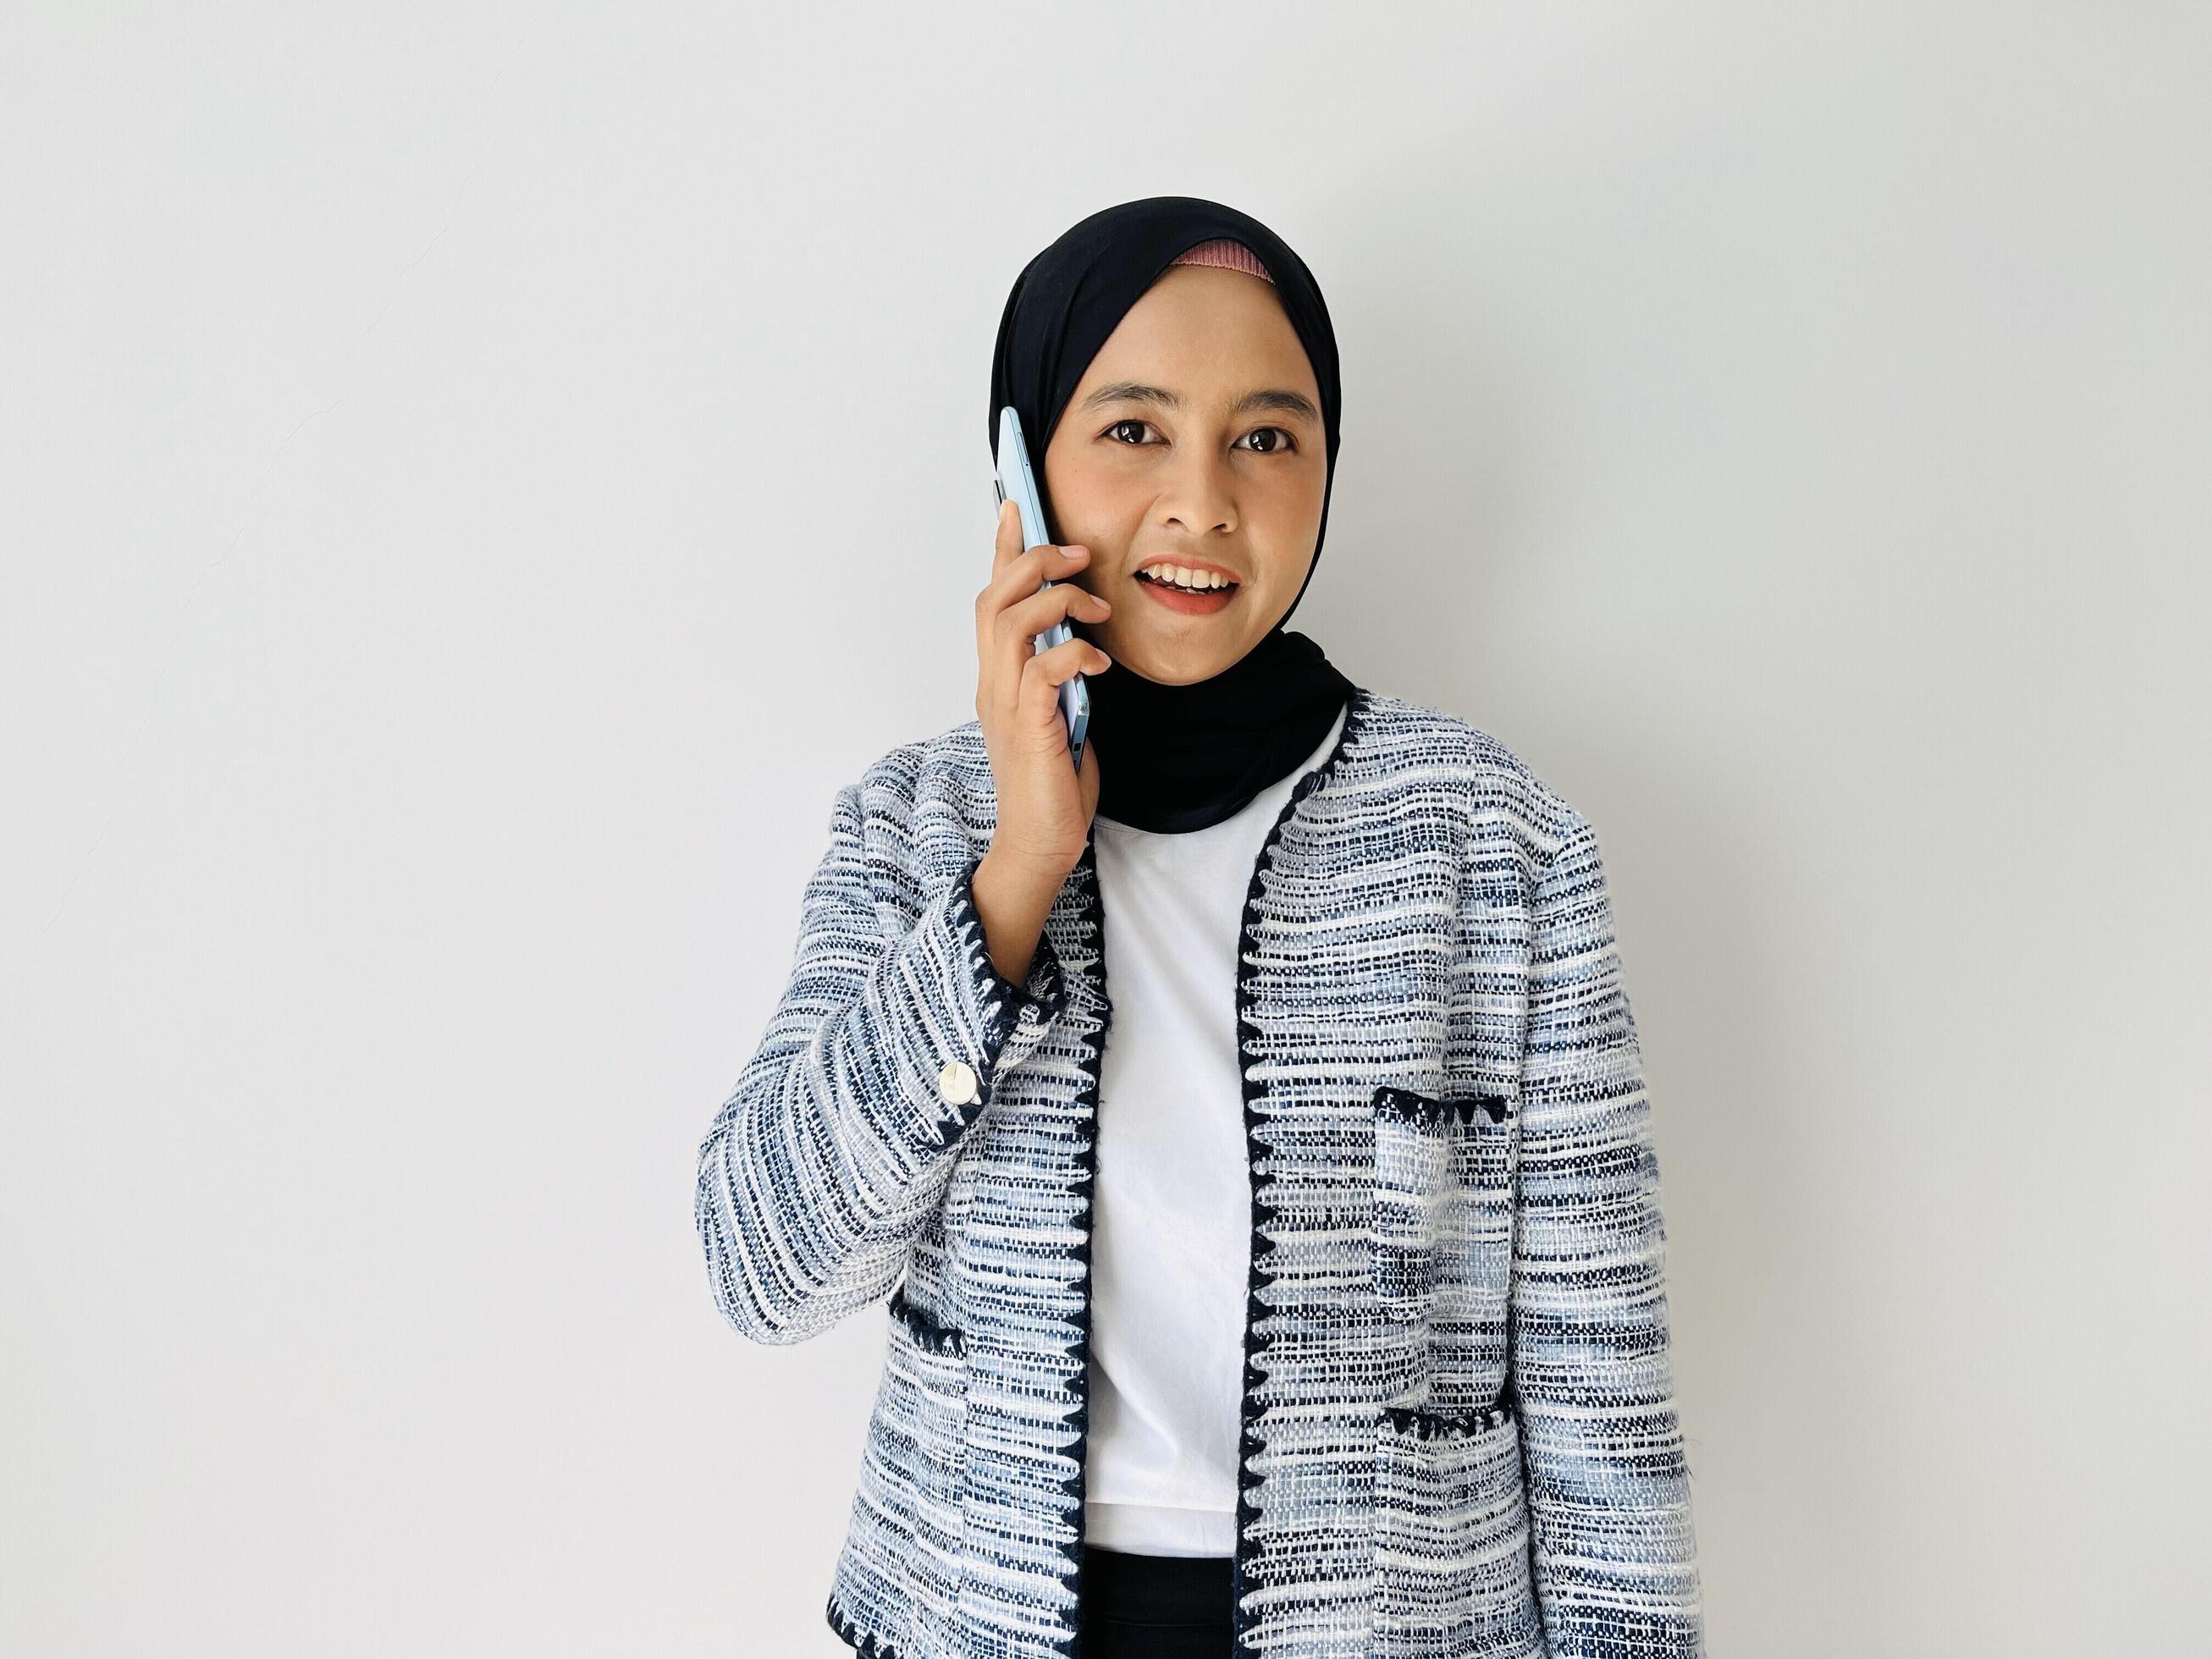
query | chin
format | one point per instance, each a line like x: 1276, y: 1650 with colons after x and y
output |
x: 1183, y: 665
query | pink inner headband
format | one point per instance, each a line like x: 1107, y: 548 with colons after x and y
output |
x: 1228, y: 254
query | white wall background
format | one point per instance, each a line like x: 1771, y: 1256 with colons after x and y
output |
x: 475, y: 480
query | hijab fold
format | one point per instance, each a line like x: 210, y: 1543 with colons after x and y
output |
x: 1172, y: 758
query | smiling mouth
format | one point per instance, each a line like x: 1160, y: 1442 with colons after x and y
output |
x: 1187, y: 601
x: 1151, y: 580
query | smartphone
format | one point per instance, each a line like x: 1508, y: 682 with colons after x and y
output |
x: 1017, y: 479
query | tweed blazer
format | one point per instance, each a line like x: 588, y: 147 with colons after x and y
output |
x: 1459, y: 1434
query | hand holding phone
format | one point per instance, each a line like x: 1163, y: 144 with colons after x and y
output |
x: 1028, y: 654
x: 1017, y: 480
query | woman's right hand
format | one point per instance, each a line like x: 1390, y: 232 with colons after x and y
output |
x: 1045, y: 805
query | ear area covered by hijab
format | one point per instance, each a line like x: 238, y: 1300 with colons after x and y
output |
x: 1173, y: 758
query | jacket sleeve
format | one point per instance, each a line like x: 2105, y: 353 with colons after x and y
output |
x: 1614, y: 1549
x: 839, y: 1138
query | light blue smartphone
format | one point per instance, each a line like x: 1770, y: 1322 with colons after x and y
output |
x: 1017, y: 479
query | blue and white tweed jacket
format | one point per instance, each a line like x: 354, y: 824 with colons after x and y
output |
x: 1458, y: 1427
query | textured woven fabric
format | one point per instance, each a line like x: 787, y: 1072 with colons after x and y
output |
x: 1459, y: 1429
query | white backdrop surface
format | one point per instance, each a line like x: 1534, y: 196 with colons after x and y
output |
x: 474, y: 480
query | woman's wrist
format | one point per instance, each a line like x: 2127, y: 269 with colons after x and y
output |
x: 1013, y: 898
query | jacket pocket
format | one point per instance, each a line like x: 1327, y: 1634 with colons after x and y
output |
x: 1444, y: 1204
x: 1452, y: 1574
x: 913, y: 1467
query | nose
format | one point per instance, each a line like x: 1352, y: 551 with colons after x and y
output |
x: 1200, y: 496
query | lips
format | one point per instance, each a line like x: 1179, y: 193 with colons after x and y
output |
x: 1186, y: 602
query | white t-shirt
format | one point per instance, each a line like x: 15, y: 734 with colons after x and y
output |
x: 1171, y: 1241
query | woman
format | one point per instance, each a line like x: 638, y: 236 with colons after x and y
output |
x: 1320, y: 1312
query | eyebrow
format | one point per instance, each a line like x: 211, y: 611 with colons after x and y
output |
x: 1136, y: 392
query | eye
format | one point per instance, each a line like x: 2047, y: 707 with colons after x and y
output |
x: 1280, y: 442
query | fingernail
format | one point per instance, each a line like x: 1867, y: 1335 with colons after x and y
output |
x: 1071, y: 552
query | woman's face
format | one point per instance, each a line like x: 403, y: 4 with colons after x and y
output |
x: 1195, y: 439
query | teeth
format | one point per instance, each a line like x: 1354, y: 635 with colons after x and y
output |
x: 1196, y: 581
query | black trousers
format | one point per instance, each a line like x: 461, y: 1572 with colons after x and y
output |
x: 1155, y: 1607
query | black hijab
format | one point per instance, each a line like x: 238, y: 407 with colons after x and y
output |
x: 1171, y: 758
